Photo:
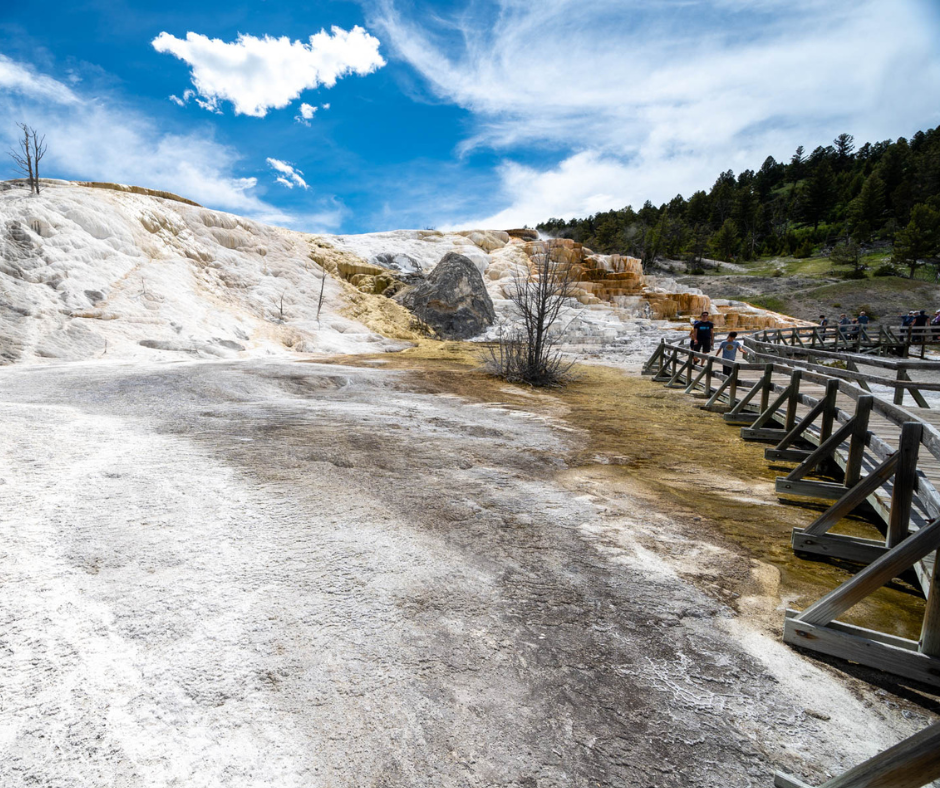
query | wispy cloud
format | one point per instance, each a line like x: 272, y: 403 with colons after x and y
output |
x: 289, y: 176
x: 18, y: 78
x: 259, y: 74
x: 98, y: 138
x: 647, y: 100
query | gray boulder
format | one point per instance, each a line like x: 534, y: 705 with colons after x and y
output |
x: 453, y: 300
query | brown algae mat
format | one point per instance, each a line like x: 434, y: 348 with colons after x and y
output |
x: 681, y: 460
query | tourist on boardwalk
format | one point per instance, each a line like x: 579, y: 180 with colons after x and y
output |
x: 863, y: 319
x: 702, y: 333
x: 823, y: 321
x: 843, y: 324
x: 728, y: 349
x: 935, y: 325
x: 907, y: 321
x: 919, y: 326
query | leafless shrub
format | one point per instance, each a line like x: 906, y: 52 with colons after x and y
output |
x: 530, y: 353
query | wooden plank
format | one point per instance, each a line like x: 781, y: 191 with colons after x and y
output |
x: 826, y: 490
x: 853, y: 497
x: 870, y: 634
x: 823, y: 451
x: 786, y: 455
x: 874, y: 576
x: 784, y: 780
x: 841, y: 546
x: 858, y: 647
x: 912, y: 763
x: 764, y: 434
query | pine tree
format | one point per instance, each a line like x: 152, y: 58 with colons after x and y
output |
x: 920, y: 240
x: 865, y: 212
x: 725, y: 242
x: 819, y: 195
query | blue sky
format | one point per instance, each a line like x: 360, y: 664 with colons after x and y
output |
x: 360, y: 116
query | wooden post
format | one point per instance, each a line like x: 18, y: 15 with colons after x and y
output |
x: 918, y: 397
x: 794, y: 400
x: 898, y: 391
x: 733, y: 386
x: 930, y: 632
x: 657, y: 356
x: 853, y: 466
x: 708, y: 376
x: 905, y: 480
x: 829, y: 413
x: 767, y: 387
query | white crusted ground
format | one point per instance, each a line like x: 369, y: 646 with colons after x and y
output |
x: 91, y: 273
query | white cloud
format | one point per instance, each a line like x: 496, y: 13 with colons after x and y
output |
x: 325, y: 106
x: 290, y: 176
x: 258, y: 74
x: 305, y: 114
x: 649, y: 100
x: 99, y: 139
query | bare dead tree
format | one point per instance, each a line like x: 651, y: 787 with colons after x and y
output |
x: 281, y: 307
x: 32, y: 148
x: 529, y: 353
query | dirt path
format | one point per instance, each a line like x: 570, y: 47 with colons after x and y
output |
x: 262, y: 573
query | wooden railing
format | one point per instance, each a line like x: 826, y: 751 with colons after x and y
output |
x: 833, y: 431
x: 901, y: 367
x: 856, y: 338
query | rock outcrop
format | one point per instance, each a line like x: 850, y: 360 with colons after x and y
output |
x: 453, y: 300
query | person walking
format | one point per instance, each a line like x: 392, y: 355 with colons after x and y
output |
x: 703, y: 333
x: 906, y: 322
x: 919, y: 326
x: 823, y: 321
x: 728, y: 350
x: 843, y: 324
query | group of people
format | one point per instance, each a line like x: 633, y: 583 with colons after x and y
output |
x: 914, y: 324
x: 702, y: 337
x: 917, y: 325
x: 847, y: 326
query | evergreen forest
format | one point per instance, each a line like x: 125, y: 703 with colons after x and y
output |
x: 839, y: 200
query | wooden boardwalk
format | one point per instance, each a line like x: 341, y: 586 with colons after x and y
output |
x: 854, y: 422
